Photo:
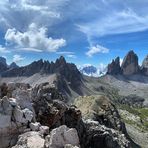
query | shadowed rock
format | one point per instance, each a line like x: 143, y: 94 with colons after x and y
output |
x: 130, y: 64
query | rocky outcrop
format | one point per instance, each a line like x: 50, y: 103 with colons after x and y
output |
x: 99, y: 108
x: 30, y: 140
x: 44, y: 120
x: 13, y: 121
x: 61, y: 136
x: 132, y: 101
x: 144, y: 67
x: 13, y: 65
x: 16, y: 112
x: 114, y: 68
x: 101, y: 136
x: 3, y: 64
x: 130, y: 64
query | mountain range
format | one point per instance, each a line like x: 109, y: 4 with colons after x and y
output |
x: 119, y: 95
x: 90, y: 70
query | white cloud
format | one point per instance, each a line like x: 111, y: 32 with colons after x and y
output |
x: 18, y: 58
x: 71, y: 56
x: 121, y: 60
x: 34, y: 38
x: 121, y: 21
x: 96, y: 49
x: 3, y: 49
x: 67, y: 53
x: 64, y: 52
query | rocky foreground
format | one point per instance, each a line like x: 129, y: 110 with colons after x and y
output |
x: 39, y: 117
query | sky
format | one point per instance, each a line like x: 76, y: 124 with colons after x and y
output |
x: 83, y: 31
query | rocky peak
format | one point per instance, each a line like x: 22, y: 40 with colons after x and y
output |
x: 3, y: 61
x: 144, y: 67
x: 3, y: 64
x: 60, y: 61
x: 130, y: 64
x: 13, y: 65
x: 114, y: 68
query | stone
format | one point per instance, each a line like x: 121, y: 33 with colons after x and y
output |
x: 35, y: 126
x: 70, y: 146
x: 30, y: 140
x: 44, y: 130
x: 19, y: 116
x: 28, y: 114
x: 101, y: 136
x: 63, y: 135
x: 13, y: 102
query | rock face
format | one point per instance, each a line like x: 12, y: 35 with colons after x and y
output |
x: 63, y: 135
x: 58, y: 138
x: 100, y: 136
x: 30, y: 140
x: 114, y: 68
x: 144, y: 67
x: 42, y: 119
x: 16, y: 112
x: 67, y: 73
x: 13, y: 65
x: 13, y: 121
x: 3, y: 64
x: 101, y: 109
x: 130, y: 64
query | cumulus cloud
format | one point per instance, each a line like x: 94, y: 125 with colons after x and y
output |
x: 34, y: 39
x: 96, y: 49
x: 18, y: 58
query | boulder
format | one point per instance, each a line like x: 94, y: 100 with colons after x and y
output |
x: 63, y: 135
x: 99, y: 136
x: 30, y: 140
x: 13, y: 121
x: 44, y: 130
x: 70, y: 146
x: 130, y: 64
x: 35, y: 126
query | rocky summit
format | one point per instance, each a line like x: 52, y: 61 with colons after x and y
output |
x: 144, y: 67
x: 39, y: 118
x: 114, y: 67
x: 129, y: 66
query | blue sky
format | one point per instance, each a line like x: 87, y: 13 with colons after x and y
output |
x: 84, y: 31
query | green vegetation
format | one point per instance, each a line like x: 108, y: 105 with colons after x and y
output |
x: 142, y: 113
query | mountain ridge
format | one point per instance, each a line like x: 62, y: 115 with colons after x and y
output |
x: 129, y: 66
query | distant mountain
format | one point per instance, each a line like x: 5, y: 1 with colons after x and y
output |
x: 129, y: 66
x: 67, y: 73
x: 13, y: 65
x: 90, y: 70
x: 5, y: 67
x: 3, y: 64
